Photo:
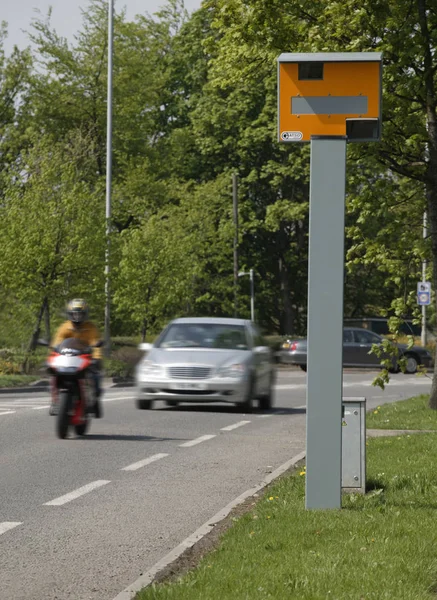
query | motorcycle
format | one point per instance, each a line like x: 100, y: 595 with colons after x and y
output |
x: 72, y: 387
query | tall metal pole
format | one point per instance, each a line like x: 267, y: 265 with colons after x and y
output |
x: 252, y: 296
x: 108, y: 176
x: 325, y: 323
x: 235, y: 203
x: 423, y: 336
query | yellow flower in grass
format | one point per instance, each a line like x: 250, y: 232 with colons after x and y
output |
x: 271, y: 498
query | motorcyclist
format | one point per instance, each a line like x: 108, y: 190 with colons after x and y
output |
x: 77, y: 326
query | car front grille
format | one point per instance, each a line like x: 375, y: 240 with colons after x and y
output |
x: 189, y: 372
x: 190, y: 392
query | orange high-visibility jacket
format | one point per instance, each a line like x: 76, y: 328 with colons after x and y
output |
x: 87, y: 332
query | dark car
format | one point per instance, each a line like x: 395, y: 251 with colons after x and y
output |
x: 357, y: 344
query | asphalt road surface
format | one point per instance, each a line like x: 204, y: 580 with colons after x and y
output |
x: 82, y: 518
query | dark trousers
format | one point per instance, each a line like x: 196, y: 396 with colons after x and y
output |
x: 97, y: 377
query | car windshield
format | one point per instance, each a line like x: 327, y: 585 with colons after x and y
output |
x: 204, y: 335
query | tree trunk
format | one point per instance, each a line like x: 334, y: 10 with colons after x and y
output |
x: 144, y: 330
x: 47, y: 321
x: 431, y: 194
x: 431, y: 173
x: 432, y: 221
x: 35, y: 335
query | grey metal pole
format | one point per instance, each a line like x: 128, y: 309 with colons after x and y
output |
x: 235, y: 206
x: 423, y: 335
x: 252, y: 296
x: 325, y: 323
x: 108, y: 177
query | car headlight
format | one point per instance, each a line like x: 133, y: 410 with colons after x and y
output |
x: 150, y: 368
x: 235, y: 370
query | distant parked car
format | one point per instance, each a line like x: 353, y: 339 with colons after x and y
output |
x: 207, y: 360
x: 380, y: 325
x: 357, y: 344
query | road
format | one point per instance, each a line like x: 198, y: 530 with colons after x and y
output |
x: 80, y: 519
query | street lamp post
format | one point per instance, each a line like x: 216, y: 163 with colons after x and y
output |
x: 107, y: 333
x: 252, y: 292
x: 235, y: 207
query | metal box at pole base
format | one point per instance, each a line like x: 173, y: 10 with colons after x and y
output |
x: 353, y: 472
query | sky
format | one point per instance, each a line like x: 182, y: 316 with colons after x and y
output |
x: 66, y: 15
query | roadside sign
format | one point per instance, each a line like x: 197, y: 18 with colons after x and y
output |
x: 424, y: 293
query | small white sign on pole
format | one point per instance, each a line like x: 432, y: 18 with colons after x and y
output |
x: 424, y: 293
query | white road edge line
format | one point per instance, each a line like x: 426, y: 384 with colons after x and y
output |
x: 199, y: 440
x: 77, y: 493
x: 7, y: 525
x: 147, y: 578
x: 234, y: 426
x: 8, y: 412
x: 144, y: 462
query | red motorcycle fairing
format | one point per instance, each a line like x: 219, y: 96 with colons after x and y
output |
x: 68, y: 365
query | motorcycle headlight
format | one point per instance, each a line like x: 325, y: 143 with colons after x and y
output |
x: 236, y: 370
x: 150, y: 368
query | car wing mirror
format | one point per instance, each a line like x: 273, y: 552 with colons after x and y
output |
x: 145, y: 346
x: 261, y: 349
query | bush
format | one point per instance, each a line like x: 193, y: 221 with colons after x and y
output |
x: 9, y: 367
x: 274, y: 341
x: 117, y: 368
x: 122, y: 362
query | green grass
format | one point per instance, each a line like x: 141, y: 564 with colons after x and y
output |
x: 411, y: 414
x: 379, y: 546
x: 17, y: 380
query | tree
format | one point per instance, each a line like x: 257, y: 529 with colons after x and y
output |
x: 179, y: 261
x: 14, y: 102
x: 52, y: 227
x: 406, y: 33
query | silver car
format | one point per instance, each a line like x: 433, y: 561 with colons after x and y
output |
x: 207, y: 360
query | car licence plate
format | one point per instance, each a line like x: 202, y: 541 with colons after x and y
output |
x: 188, y: 385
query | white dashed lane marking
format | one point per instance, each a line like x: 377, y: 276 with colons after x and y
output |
x: 234, y: 426
x: 198, y: 440
x: 7, y: 412
x: 144, y: 462
x: 8, y: 525
x: 77, y: 493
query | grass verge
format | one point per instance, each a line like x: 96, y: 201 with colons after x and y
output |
x: 7, y: 381
x: 405, y: 414
x: 379, y: 546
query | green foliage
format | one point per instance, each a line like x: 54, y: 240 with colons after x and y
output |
x: 194, y: 102
x: 51, y: 248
